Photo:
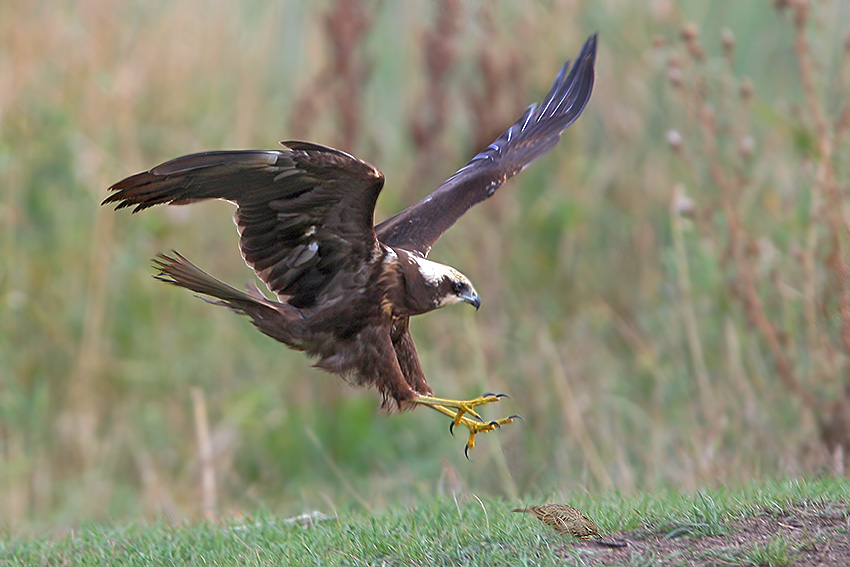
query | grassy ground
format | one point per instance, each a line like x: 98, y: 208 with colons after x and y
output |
x: 664, y: 295
x: 767, y: 523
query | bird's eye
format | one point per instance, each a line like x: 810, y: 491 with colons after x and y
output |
x: 457, y: 287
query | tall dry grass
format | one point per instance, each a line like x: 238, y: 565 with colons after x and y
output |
x: 663, y: 295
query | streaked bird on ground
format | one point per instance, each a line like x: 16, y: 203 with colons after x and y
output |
x: 568, y: 520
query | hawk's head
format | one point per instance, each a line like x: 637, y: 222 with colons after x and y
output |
x: 446, y: 285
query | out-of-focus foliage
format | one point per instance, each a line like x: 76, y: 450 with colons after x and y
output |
x: 617, y: 273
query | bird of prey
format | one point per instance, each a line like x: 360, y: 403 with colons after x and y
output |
x: 345, y: 289
x: 566, y: 519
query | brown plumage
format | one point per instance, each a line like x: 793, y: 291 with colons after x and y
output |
x: 345, y: 289
x: 568, y: 520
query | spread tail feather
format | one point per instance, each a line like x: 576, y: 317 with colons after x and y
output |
x: 278, y: 320
x: 177, y: 270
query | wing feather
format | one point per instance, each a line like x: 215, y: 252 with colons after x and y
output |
x: 304, y: 214
x: 536, y: 132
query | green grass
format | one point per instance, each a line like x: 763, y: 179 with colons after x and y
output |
x: 775, y: 553
x: 463, y: 531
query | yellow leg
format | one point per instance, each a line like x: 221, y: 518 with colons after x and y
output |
x: 457, y: 410
x: 461, y: 406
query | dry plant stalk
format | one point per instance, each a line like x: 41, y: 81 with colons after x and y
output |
x: 500, y: 90
x: 827, y: 221
x: 429, y: 115
x: 741, y: 243
x: 205, y: 454
x: 346, y: 24
x: 692, y: 334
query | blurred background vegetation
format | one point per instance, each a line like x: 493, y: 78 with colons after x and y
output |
x: 664, y: 295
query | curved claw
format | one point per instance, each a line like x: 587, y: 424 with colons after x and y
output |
x: 516, y: 416
x: 463, y: 413
x: 499, y: 396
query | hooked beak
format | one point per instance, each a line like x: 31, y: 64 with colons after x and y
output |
x: 473, y: 299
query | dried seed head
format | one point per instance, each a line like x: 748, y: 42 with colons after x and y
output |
x: 728, y: 39
x: 801, y: 11
x: 662, y: 10
x: 746, y: 146
x: 682, y: 204
x: 844, y: 121
x: 690, y: 35
x: 690, y: 32
x: 674, y: 75
x: 708, y: 114
x: 701, y: 87
x: 675, y: 140
x: 746, y: 89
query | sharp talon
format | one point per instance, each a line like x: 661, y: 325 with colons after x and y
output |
x: 516, y: 416
x: 462, y: 412
x: 495, y: 395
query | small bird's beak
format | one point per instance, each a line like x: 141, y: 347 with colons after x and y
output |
x: 473, y: 299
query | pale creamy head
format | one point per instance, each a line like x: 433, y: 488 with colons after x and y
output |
x: 437, y: 275
x: 434, y: 272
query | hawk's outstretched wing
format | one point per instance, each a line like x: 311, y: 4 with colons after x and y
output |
x: 305, y: 214
x: 537, y: 131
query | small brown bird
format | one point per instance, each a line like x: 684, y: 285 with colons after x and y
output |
x: 566, y: 519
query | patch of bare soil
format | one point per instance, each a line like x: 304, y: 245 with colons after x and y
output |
x: 806, y: 534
